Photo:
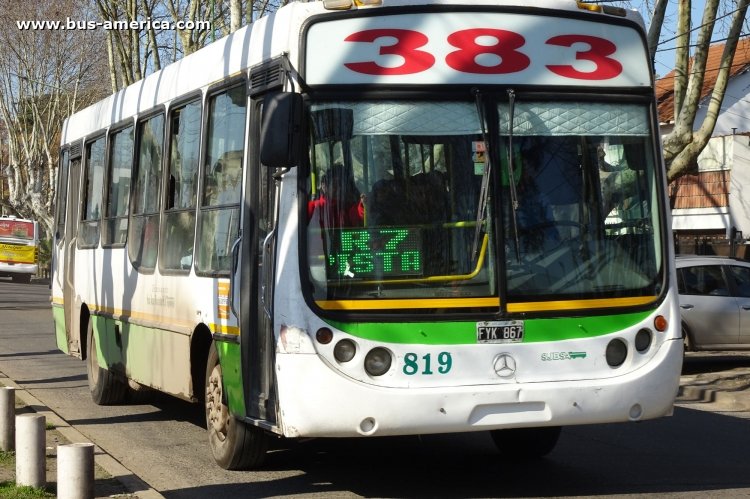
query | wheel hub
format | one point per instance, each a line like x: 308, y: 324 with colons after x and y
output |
x: 216, y: 412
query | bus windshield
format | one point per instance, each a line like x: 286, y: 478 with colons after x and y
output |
x: 413, y: 201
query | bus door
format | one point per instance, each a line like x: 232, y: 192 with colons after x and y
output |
x: 260, y: 229
x: 68, y: 260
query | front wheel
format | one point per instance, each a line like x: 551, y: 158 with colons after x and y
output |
x: 235, y: 444
x: 526, y: 443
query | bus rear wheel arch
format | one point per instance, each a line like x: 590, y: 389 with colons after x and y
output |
x: 105, y: 387
x: 235, y: 444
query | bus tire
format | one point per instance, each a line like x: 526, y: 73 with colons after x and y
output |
x: 526, y: 443
x: 235, y: 444
x: 104, y: 386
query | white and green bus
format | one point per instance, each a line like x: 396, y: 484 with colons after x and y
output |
x: 379, y: 217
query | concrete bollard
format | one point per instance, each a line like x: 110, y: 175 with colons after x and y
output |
x: 75, y: 471
x: 31, y: 450
x: 7, y: 418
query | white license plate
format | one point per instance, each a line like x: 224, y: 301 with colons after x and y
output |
x: 500, y: 332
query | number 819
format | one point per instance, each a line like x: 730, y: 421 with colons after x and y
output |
x: 412, y: 364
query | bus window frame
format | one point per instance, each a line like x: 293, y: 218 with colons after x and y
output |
x: 61, y: 194
x: 177, y: 104
x: 211, y: 92
x: 113, y: 130
x: 89, y: 140
x: 138, y: 122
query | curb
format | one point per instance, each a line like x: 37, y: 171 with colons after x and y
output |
x: 127, y: 478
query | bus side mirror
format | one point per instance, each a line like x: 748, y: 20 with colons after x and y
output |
x: 281, y: 130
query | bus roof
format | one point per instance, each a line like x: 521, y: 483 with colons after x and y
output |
x: 266, y: 38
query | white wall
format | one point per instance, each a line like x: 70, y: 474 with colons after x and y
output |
x: 739, y: 191
x: 735, y: 109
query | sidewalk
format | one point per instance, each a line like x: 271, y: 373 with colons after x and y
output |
x: 130, y: 482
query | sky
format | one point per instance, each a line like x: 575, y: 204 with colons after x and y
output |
x: 665, y: 53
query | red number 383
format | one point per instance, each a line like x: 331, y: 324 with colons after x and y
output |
x: 507, y: 47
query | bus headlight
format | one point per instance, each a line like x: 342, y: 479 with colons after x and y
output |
x: 378, y: 361
x: 643, y: 340
x: 616, y: 352
x: 344, y: 350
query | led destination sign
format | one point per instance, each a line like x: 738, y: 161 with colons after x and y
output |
x: 375, y: 253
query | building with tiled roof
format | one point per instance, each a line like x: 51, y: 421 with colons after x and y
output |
x: 715, y: 197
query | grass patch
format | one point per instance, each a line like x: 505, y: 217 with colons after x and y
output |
x: 8, y: 490
x: 7, y: 459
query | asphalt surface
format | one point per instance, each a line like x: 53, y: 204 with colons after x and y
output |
x: 158, y: 448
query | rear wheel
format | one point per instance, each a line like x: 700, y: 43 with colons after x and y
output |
x: 105, y: 387
x: 526, y: 443
x: 235, y: 444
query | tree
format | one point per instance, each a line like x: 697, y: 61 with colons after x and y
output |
x: 45, y: 75
x: 683, y: 145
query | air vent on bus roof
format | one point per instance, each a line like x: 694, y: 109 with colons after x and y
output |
x: 266, y: 76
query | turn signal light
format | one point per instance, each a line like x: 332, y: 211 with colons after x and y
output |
x: 660, y: 323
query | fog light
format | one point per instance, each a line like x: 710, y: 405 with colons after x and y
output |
x: 643, y: 340
x: 617, y: 350
x: 344, y: 350
x: 377, y: 361
x: 324, y: 336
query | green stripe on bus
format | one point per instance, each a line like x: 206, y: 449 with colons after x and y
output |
x: 461, y: 333
x: 58, y: 314
x: 231, y: 371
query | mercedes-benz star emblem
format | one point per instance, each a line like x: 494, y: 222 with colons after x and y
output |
x: 505, y: 365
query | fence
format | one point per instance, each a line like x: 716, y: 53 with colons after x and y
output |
x: 696, y: 245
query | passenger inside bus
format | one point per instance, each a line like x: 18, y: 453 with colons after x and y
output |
x: 534, y: 214
x: 339, y: 202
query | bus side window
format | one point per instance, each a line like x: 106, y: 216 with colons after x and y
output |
x: 222, y: 180
x: 176, y: 248
x: 143, y: 233
x: 92, y: 202
x: 62, y: 196
x: 120, y: 163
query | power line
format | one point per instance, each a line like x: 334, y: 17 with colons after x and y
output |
x: 677, y: 36
x: 699, y: 27
x: 741, y: 36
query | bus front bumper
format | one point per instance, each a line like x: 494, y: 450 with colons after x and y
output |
x: 316, y: 402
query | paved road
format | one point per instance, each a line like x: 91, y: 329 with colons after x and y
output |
x: 700, y: 451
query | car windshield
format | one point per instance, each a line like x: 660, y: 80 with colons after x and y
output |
x: 444, y: 204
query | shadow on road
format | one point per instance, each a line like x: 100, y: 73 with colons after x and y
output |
x: 705, y: 362
x: 599, y: 460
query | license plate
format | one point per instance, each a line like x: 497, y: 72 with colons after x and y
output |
x: 500, y: 332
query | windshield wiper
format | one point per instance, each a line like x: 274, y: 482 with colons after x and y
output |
x: 484, y: 191
x: 511, y: 173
